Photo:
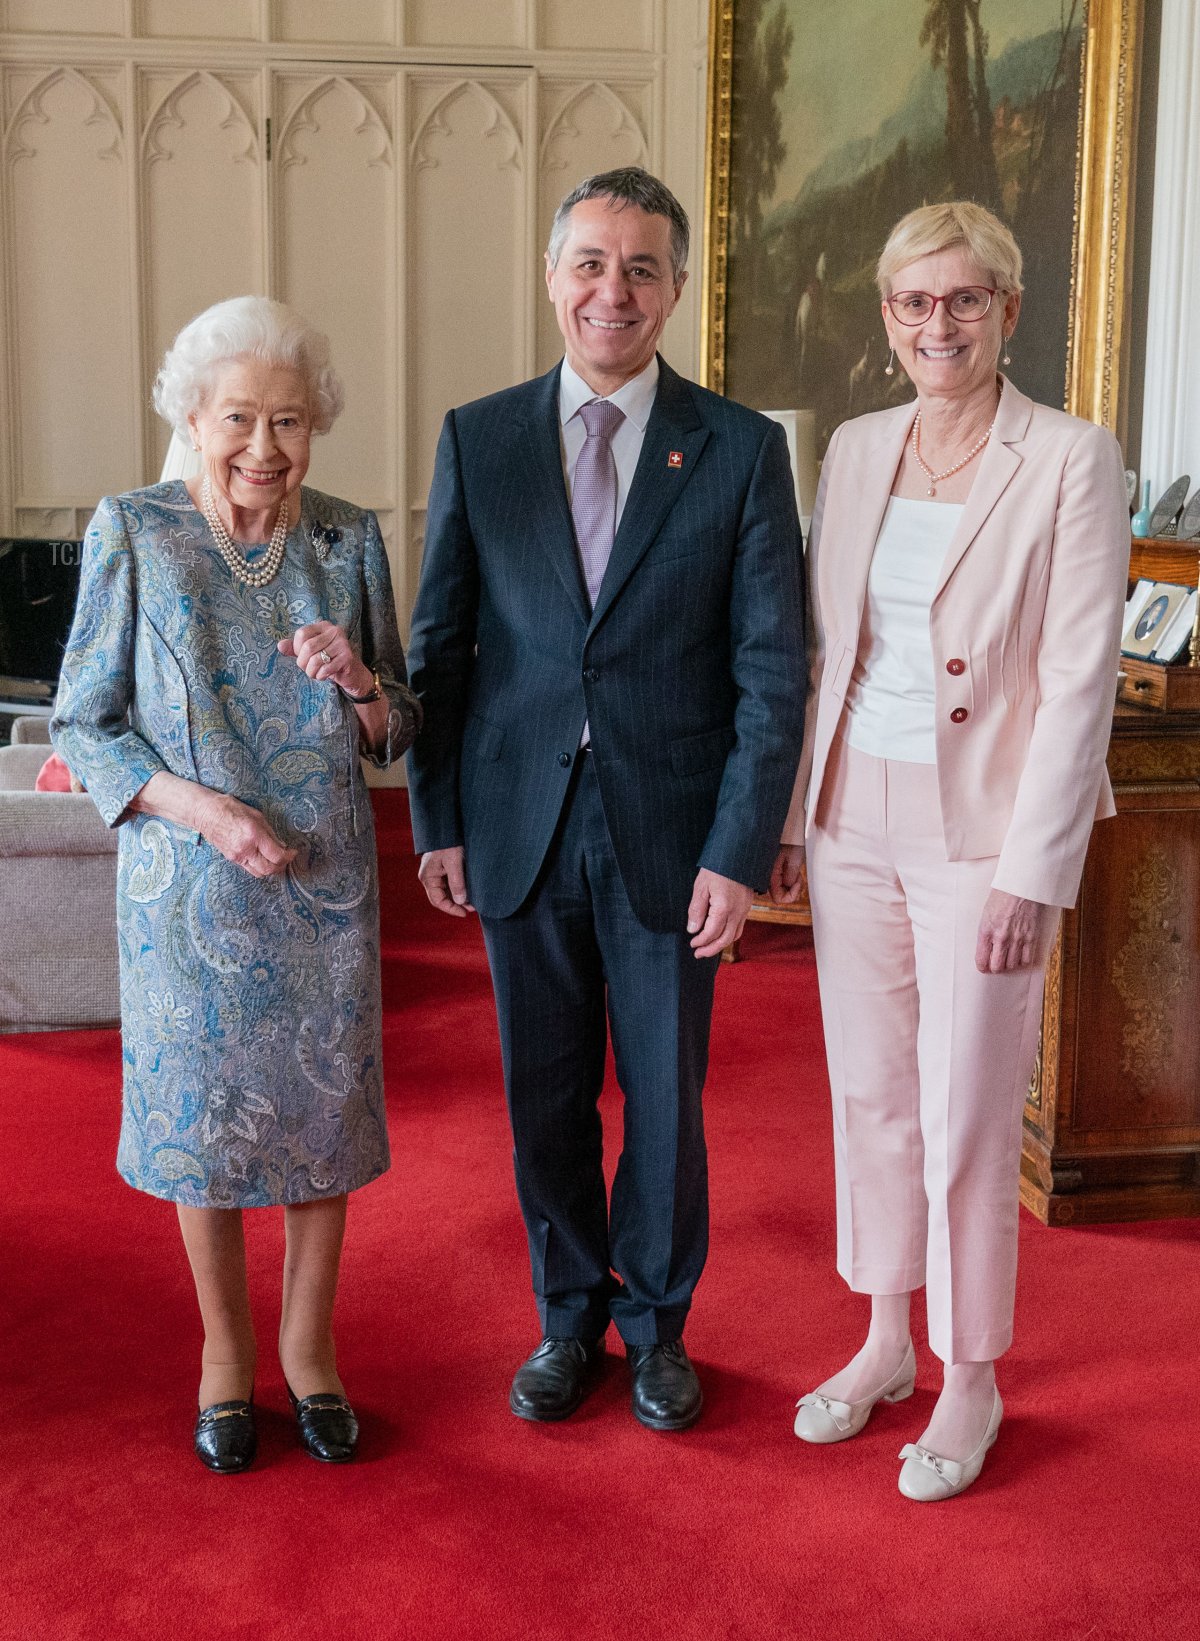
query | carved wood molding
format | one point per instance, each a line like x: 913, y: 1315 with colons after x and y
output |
x: 1149, y: 970
x: 303, y: 118
x: 1098, y: 332
x: 560, y: 126
x: 718, y: 142
x: 1169, y: 759
x: 31, y: 110
x: 61, y: 522
x: 166, y: 115
x: 621, y: 98
x: 434, y: 124
x: 1043, y: 1085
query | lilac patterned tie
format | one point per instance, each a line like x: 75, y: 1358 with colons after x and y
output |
x: 594, y: 491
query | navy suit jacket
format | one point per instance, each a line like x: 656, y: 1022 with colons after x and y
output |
x: 689, y: 670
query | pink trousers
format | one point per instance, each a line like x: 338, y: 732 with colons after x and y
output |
x: 929, y: 1060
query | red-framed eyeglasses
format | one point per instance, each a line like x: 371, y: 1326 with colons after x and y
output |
x: 966, y: 305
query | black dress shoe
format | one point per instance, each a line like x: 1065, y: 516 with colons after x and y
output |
x: 328, y: 1428
x: 225, y: 1438
x: 666, y: 1391
x: 555, y: 1379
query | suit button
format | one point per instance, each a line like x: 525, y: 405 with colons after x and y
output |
x: 959, y: 715
x: 956, y: 667
x: 592, y: 674
x: 564, y: 759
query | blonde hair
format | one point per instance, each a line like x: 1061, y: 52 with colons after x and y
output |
x: 933, y: 228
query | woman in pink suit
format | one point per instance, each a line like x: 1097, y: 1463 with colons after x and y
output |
x: 967, y: 565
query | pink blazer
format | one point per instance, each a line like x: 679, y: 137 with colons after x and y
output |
x: 1025, y: 626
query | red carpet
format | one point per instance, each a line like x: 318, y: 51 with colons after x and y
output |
x: 461, y: 1521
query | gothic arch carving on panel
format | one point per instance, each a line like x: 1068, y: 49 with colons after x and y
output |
x: 167, y: 114
x: 304, y: 118
x: 625, y: 121
x: 31, y: 110
x: 435, y: 125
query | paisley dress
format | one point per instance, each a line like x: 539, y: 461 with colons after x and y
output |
x: 250, y: 1007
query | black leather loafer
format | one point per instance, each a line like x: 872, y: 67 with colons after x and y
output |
x: 554, y: 1380
x: 666, y: 1391
x: 328, y: 1428
x: 225, y: 1438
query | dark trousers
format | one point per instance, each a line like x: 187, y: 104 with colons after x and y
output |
x: 571, y: 965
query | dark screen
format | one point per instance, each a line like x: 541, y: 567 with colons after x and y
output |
x: 39, y: 581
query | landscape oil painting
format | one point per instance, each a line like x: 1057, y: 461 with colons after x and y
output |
x: 844, y: 115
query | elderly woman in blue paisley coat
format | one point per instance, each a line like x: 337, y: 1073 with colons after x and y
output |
x: 234, y: 651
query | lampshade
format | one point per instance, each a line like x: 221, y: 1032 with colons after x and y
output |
x: 801, y: 429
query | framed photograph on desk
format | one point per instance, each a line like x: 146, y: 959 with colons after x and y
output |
x: 1175, y: 638
x: 1151, y: 620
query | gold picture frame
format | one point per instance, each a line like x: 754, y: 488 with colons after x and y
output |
x: 1100, y: 275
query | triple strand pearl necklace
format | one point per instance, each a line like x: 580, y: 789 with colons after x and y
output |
x: 936, y: 478
x: 268, y: 567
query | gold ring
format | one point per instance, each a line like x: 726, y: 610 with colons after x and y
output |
x: 325, y: 656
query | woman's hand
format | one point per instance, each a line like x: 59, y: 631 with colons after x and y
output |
x: 1011, y: 932
x: 241, y: 835
x: 233, y: 828
x: 323, y: 651
x: 787, y: 874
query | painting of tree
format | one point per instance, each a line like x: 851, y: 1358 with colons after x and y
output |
x: 968, y: 102
x: 761, y: 52
x: 847, y: 114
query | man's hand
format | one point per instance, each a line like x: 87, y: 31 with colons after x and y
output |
x: 443, y: 877
x: 717, y: 914
x: 1011, y: 933
x: 787, y: 874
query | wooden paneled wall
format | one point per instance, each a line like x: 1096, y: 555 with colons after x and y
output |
x: 389, y: 166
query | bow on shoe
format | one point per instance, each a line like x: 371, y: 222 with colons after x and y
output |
x: 948, y: 1470
x: 841, y: 1413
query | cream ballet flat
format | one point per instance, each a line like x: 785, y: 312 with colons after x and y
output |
x: 927, y: 1477
x: 821, y: 1419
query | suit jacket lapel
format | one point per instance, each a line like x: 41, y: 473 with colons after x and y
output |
x: 876, y: 473
x: 997, y: 466
x: 658, y: 481
x: 539, y: 449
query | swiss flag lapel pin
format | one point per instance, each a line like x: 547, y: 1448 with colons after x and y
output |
x: 675, y: 458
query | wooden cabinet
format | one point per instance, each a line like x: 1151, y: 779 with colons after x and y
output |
x: 1112, y: 1120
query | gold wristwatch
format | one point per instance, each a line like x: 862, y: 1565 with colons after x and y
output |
x: 373, y: 694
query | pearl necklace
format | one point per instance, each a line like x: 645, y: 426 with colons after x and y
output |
x: 239, y: 568
x: 936, y: 478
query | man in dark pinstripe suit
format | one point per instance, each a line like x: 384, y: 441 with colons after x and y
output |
x: 608, y: 645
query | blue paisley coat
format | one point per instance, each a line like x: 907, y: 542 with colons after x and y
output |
x: 250, y: 1008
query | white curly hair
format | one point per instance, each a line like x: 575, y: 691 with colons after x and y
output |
x: 246, y: 326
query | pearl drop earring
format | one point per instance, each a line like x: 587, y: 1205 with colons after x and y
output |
x: 1007, y: 360
x: 890, y: 368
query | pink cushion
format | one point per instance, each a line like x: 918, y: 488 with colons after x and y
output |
x: 53, y: 776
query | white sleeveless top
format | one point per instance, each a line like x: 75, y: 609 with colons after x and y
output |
x: 890, y: 701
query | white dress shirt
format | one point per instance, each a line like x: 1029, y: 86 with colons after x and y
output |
x: 635, y: 399
x: 890, y: 701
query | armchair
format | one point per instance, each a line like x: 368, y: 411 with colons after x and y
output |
x: 58, y: 886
